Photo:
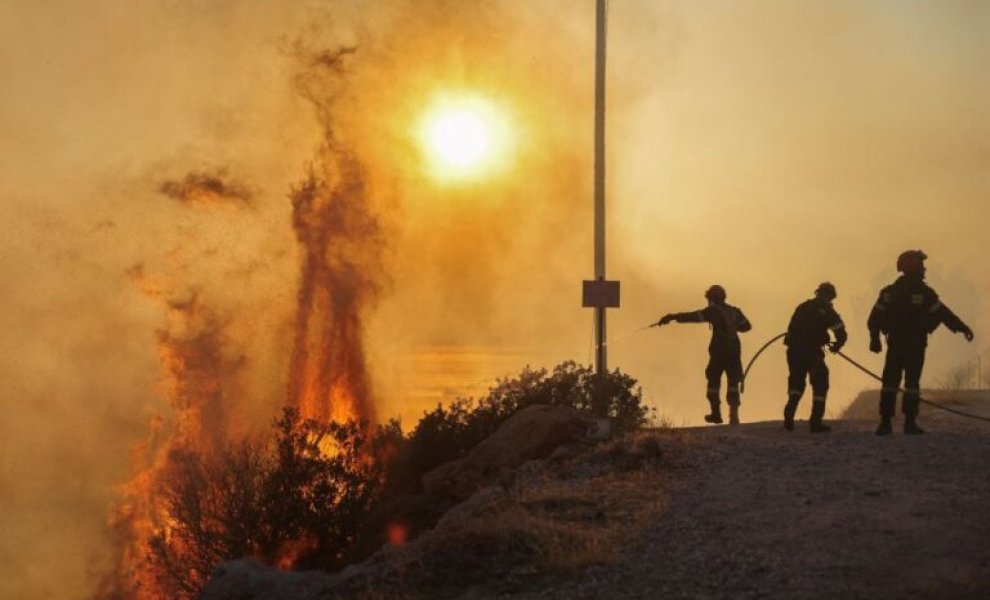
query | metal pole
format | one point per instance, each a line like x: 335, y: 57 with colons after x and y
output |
x: 601, y: 366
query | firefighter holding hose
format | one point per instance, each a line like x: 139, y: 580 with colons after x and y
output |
x: 724, y: 350
x: 807, y: 335
x: 907, y: 312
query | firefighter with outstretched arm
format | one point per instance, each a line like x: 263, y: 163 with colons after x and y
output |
x: 724, y: 350
x: 907, y: 312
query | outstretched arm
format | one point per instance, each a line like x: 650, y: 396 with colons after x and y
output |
x: 944, y: 315
x: 698, y: 316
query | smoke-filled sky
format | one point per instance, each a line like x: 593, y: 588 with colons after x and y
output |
x: 148, y: 151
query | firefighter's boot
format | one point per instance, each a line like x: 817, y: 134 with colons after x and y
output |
x: 789, y: 409
x: 815, y: 424
x: 732, y: 399
x: 887, y: 401
x: 911, y: 415
x: 716, y: 414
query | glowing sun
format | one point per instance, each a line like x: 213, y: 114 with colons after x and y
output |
x: 459, y: 138
x: 462, y: 137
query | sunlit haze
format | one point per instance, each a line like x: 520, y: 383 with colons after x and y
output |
x: 392, y: 202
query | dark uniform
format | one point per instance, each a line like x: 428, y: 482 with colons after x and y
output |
x: 807, y: 335
x: 724, y: 350
x: 906, y: 312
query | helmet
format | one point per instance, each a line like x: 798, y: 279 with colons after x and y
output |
x: 911, y: 261
x: 716, y: 293
x: 826, y: 290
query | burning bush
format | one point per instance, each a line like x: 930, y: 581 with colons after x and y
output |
x: 297, y: 499
x: 318, y: 495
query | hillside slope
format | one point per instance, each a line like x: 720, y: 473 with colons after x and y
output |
x: 717, y: 512
x: 772, y: 514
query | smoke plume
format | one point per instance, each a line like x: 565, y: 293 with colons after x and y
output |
x: 340, y: 244
x: 766, y: 148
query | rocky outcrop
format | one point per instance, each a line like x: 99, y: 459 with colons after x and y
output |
x: 532, y: 433
x: 247, y: 579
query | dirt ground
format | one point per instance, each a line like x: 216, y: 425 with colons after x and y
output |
x: 766, y: 513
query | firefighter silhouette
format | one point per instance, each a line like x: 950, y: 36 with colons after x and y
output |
x: 807, y: 335
x: 907, y: 312
x: 724, y: 350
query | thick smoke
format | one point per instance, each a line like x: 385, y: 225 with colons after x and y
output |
x: 201, y: 367
x: 769, y: 170
x: 765, y: 148
x: 340, y: 248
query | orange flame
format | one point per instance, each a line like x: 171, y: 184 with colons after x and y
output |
x: 327, y: 380
x: 341, y: 244
x: 340, y: 241
x: 292, y: 550
x: 197, y: 375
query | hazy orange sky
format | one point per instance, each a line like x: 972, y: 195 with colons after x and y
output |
x: 763, y: 145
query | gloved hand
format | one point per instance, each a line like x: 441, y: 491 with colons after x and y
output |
x: 968, y: 333
x: 665, y: 319
x: 875, y: 345
x: 834, y: 347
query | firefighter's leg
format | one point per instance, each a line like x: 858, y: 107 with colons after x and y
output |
x: 819, y: 389
x: 913, y: 364
x: 892, y: 368
x: 713, y: 374
x: 797, y: 372
x: 734, y: 375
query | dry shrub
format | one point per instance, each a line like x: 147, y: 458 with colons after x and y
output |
x: 554, y: 520
x: 320, y: 495
x: 298, y: 499
x: 447, y: 433
x: 547, y: 542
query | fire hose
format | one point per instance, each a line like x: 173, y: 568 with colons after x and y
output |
x: 742, y: 386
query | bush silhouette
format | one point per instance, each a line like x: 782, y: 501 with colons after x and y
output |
x: 447, y: 433
x: 320, y: 495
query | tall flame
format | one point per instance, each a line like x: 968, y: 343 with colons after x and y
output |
x: 340, y: 241
x: 198, y: 373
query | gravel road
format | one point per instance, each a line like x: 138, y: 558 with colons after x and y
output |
x: 769, y: 514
